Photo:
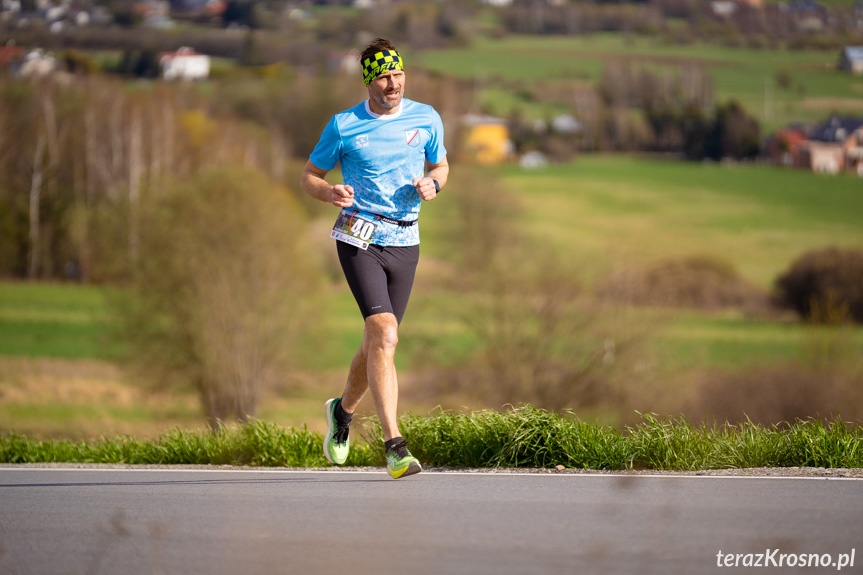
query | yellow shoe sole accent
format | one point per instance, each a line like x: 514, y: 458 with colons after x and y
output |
x: 411, y: 469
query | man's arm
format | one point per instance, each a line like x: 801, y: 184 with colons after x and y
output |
x: 313, y: 183
x: 425, y: 186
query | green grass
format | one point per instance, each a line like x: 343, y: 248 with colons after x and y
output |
x: 747, y: 75
x: 623, y: 210
x: 53, y: 320
x: 677, y: 444
x: 523, y: 437
x: 258, y: 444
x: 729, y: 340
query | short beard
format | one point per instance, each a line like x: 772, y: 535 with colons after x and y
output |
x: 383, y: 102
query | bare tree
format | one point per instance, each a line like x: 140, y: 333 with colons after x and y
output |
x: 35, y: 201
x: 542, y: 339
x: 135, y: 171
x: 222, y: 289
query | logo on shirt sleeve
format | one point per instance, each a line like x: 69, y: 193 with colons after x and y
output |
x: 412, y: 137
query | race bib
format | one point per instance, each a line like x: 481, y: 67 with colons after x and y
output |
x: 353, y: 230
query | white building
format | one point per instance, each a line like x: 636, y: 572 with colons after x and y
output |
x: 38, y: 64
x: 851, y: 59
x: 184, y: 64
x: 723, y: 8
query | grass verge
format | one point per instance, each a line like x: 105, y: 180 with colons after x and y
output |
x: 524, y: 437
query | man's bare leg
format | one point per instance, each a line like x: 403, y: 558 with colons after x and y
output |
x: 373, y: 368
x: 358, y: 383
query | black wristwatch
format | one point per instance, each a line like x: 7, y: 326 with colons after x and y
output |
x: 436, y: 186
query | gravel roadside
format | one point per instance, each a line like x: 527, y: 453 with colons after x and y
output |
x: 815, y: 472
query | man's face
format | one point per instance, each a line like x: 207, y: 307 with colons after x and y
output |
x: 387, y: 89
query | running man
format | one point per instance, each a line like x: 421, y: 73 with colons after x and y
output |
x: 392, y: 158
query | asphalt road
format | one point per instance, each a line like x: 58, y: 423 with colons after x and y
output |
x: 187, y: 522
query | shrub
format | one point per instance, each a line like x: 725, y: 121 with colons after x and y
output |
x: 784, y: 79
x: 539, y: 339
x: 702, y: 282
x: 222, y: 289
x: 824, y: 286
x: 733, y: 134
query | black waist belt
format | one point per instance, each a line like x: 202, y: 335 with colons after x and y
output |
x: 400, y: 223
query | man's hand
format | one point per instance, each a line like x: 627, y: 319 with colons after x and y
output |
x: 313, y: 183
x: 425, y: 188
x: 342, y: 196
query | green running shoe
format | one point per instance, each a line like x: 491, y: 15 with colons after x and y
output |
x: 336, y: 443
x: 400, y: 462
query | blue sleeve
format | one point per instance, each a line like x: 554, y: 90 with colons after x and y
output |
x: 329, y: 149
x: 435, y: 150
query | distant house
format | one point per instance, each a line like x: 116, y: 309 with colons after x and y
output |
x: 487, y: 139
x: 783, y: 146
x: 12, y: 6
x: 184, y: 64
x: 533, y: 160
x: 38, y: 64
x: 11, y: 57
x: 566, y: 124
x: 82, y: 18
x: 723, y: 8
x: 834, y: 146
x: 851, y: 59
x: 810, y: 16
x: 215, y: 8
x: 806, y: 7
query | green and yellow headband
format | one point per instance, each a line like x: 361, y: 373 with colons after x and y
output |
x: 380, y: 63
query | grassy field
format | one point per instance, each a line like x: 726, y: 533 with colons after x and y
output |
x: 599, y: 213
x: 61, y: 375
x: 615, y: 210
x: 619, y: 211
x: 816, y: 89
x: 53, y: 320
x: 605, y: 213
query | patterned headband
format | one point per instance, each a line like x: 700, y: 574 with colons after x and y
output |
x: 380, y: 63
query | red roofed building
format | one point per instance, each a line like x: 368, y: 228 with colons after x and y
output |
x: 11, y: 56
x: 784, y: 145
x: 215, y: 8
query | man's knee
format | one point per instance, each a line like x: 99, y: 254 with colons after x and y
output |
x: 382, y: 331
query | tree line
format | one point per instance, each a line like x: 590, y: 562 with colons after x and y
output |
x: 78, y: 156
x: 796, y: 25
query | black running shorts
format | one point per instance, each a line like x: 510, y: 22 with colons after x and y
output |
x: 380, y: 277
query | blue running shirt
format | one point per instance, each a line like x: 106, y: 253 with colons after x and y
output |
x: 380, y: 156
